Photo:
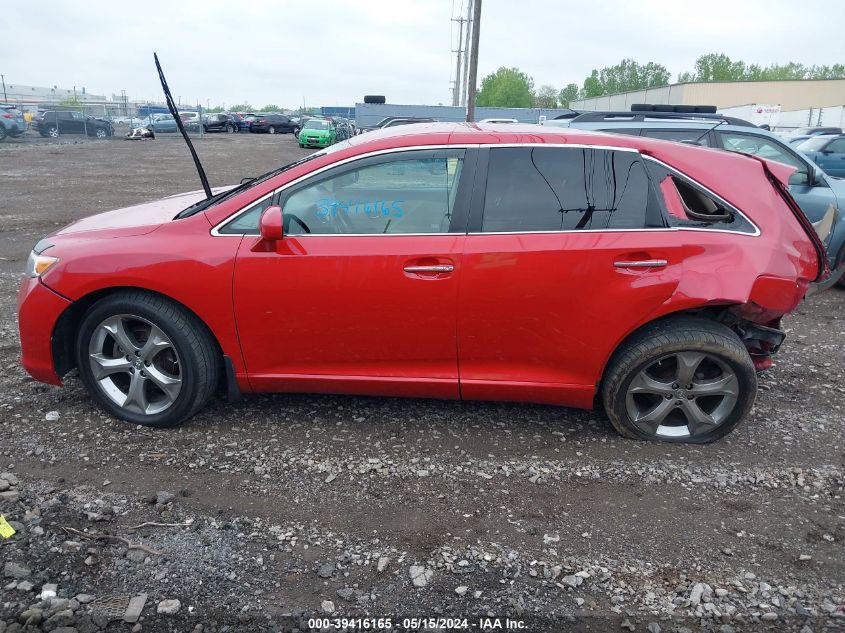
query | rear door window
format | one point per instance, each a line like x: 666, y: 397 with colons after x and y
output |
x: 688, y: 205
x: 539, y: 189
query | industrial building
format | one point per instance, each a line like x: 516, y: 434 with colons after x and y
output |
x: 798, y: 94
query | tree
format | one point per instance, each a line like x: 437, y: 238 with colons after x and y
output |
x: 546, y: 97
x: 568, y: 95
x: 271, y: 108
x: 506, y: 88
x: 720, y: 67
x: 241, y: 107
x: 624, y: 76
x: 715, y: 67
x: 215, y: 110
x: 72, y: 103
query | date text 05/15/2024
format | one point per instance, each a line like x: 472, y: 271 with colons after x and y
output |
x: 418, y: 623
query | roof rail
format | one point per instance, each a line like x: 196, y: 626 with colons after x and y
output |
x: 648, y: 116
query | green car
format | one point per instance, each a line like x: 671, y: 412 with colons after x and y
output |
x: 317, y: 133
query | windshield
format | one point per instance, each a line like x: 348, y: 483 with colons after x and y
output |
x: 316, y: 124
x: 223, y: 195
x: 813, y: 144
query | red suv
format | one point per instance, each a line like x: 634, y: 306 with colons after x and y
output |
x: 444, y: 261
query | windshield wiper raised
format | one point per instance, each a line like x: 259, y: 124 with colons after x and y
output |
x: 204, y: 204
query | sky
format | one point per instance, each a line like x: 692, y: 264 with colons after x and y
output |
x: 333, y: 52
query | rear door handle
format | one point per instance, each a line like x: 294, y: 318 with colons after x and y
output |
x: 436, y: 268
x: 641, y: 263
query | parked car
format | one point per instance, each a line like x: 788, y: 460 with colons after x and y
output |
x: 54, y: 123
x: 165, y: 123
x: 498, y: 121
x: 318, y: 133
x: 815, y: 192
x: 272, y: 124
x: 12, y: 121
x: 239, y: 120
x: 647, y: 275
x: 827, y: 151
x: 801, y: 134
x: 393, y: 121
x: 220, y: 123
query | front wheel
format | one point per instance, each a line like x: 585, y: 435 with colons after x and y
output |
x: 684, y: 379
x: 230, y: 129
x: 101, y: 133
x: 146, y: 360
x: 53, y: 131
x: 271, y: 129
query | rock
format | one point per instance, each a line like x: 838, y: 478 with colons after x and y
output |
x: 163, y: 497
x: 579, y: 601
x: 769, y: 616
x: 420, y: 575
x: 72, y: 546
x: 696, y: 594
x: 327, y: 606
x: 803, y: 557
x: 627, y: 624
x: 548, y: 539
x: 169, y: 607
x: 461, y: 590
x: 48, y: 591
x: 653, y: 627
x: 136, y: 606
x: 60, y: 619
x: 11, y: 496
x: 346, y: 593
x: 66, y: 629
x: 572, y: 580
x: 52, y: 416
x: 382, y: 563
x: 15, y: 570
x: 726, y: 628
x: 25, y: 585
x: 32, y: 616
x: 4, y: 485
x: 12, y: 479
x: 326, y: 570
x: 85, y: 598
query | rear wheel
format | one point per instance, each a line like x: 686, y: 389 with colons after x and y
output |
x: 680, y: 380
x: 145, y: 359
x: 271, y: 129
x: 101, y: 133
x: 230, y: 129
x: 53, y: 131
x: 2, y: 133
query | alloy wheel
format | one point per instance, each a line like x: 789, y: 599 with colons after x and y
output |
x: 135, y: 364
x: 53, y: 132
x: 685, y: 394
x: 101, y: 133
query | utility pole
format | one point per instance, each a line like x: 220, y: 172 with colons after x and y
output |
x: 5, y: 98
x: 473, y: 60
x: 458, y: 88
x: 466, y: 52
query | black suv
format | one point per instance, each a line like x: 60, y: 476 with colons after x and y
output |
x: 219, y: 123
x: 272, y: 123
x: 54, y: 123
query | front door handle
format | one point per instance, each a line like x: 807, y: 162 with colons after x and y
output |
x: 642, y: 263
x: 436, y: 268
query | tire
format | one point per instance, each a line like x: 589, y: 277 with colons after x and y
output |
x: 655, y: 358
x: 271, y: 129
x: 101, y: 133
x: 53, y: 131
x: 230, y: 129
x: 205, y: 129
x: 3, y: 134
x: 190, y: 358
x: 302, y: 146
x: 296, y: 132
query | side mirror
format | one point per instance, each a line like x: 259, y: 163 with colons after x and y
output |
x: 799, y: 178
x: 270, y: 225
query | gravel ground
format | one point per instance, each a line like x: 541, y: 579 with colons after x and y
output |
x: 282, y: 508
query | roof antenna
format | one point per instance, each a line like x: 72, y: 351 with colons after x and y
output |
x: 696, y: 141
x: 172, y: 107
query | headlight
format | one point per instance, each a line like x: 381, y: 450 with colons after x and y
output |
x: 37, y: 264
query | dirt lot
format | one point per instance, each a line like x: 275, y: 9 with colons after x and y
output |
x: 296, y: 506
